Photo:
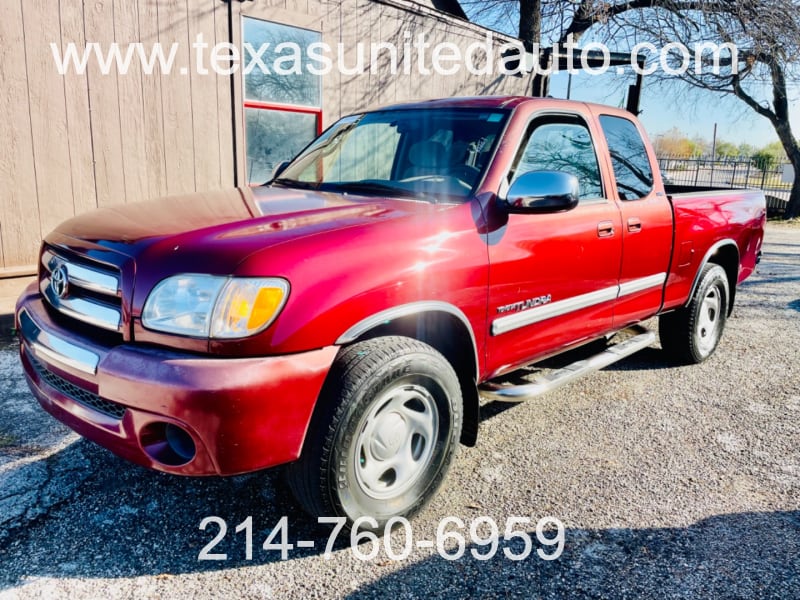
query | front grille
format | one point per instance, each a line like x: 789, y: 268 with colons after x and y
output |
x: 87, y: 398
x: 82, y: 289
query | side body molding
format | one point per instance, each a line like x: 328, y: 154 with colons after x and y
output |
x: 562, y: 307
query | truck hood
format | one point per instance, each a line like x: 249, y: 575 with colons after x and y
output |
x: 240, y: 217
x: 330, y: 247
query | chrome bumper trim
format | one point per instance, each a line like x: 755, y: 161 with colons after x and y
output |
x: 50, y: 347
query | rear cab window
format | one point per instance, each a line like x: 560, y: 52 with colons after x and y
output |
x: 632, y: 169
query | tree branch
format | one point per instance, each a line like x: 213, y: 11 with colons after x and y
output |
x: 586, y: 16
x: 738, y: 90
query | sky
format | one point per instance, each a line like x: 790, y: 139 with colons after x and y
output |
x: 692, y: 112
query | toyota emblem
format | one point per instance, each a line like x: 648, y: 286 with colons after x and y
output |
x: 59, y: 281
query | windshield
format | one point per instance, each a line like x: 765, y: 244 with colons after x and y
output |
x: 427, y: 154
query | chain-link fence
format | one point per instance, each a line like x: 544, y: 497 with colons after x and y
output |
x: 772, y: 176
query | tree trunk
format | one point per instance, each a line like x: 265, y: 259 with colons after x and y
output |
x: 784, y: 130
x: 781, y: 122
x: 530, y: 23
x: 530, y: 32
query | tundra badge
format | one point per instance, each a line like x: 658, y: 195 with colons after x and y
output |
x: 524, y: 304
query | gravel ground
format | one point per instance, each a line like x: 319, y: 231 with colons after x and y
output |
x: 671, y: 483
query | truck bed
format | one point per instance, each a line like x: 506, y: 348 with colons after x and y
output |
x: 706, y: 218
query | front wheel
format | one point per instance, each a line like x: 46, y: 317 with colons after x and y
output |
x: 384, y: 432
x: 691, y: 334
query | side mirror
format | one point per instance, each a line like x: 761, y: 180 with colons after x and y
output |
x: 542, y: 192
x: 280, y: 169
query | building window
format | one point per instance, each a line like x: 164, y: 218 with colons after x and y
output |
x: 283, y: 111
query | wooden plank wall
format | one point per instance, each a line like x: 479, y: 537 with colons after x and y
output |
x: 19, y: 212
x: 370, y: 21
x: 72, y: 143
x: 80, y: 141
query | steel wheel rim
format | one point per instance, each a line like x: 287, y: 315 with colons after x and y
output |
x: 396, y: 442
x: 708, y: 320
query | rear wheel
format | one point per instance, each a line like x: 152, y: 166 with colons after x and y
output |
x: 691, y: 334
x: 384, y: 434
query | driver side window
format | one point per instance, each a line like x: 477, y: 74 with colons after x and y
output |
x: 561, y: 145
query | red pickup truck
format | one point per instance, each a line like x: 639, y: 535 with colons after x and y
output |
x: 346, y: 318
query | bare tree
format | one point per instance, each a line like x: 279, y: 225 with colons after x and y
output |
x: 766, y: 34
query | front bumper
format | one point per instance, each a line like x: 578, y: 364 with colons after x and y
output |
x: 223, y: 415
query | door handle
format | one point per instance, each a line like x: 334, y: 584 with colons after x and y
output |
x: 634, y: 225
x: 605, y: 229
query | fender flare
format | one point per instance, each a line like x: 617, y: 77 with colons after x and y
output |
x: 706, y: 259
x: 405, y: 310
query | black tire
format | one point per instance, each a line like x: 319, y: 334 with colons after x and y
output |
x: 691, y: 334
x: 387, y: 401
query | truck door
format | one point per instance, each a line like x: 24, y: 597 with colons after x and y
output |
x: 647, y: 225
x: 553, y: 277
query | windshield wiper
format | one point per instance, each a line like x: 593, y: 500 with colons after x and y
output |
x: 293, y: 183
x: 376, y: 187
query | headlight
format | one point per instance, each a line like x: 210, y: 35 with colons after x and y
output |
x: 218, y: 307
x: 247, y: 306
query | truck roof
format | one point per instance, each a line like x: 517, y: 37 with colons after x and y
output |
x: 502, y: 102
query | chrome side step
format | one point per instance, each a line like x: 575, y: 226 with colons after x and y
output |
x: 551, y: 381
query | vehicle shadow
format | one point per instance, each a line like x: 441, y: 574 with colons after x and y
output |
x: 648, y: 359
x: 122, y: 520
x: 727, y: 556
